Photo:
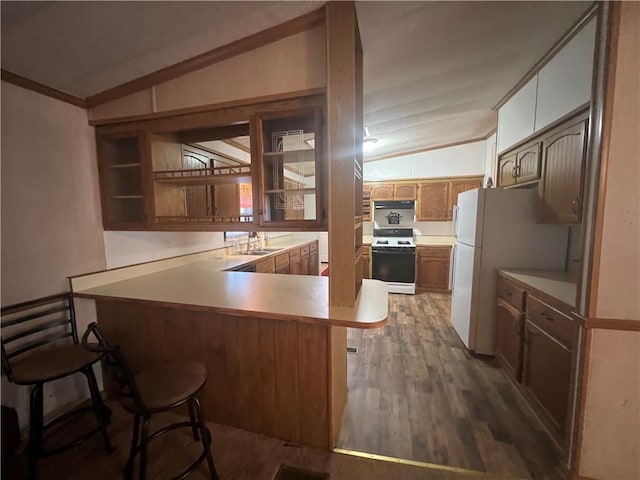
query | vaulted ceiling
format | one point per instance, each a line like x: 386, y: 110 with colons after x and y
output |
x: 433, y: 71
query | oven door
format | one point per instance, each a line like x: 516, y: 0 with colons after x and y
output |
x: 392, y: 264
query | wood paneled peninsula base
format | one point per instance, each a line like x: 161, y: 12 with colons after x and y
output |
x: 275, y: 351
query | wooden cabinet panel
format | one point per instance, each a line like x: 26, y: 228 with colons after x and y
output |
x: 459, y: 187
x: 433, y: 200
x: 511, y: 293
x: 564, y: 154
x: 226, y: 201
x: 405, y: 191
x: 551, y: 320
x: 547, y: 374
x: 509, y: 338
x: 366, y: 203
x: 366, y: 263
x: 282, y: 263
x: 507, y: 170
x: 313, y: 261
x: 528, y: 164
x: 266, y: 266
x: 433, y: 268
x: 382, y: 191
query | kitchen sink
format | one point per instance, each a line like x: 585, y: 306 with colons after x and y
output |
x: 262, y: 252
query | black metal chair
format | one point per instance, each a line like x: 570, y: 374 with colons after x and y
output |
x: 153, y: 391
x: 39, y: 345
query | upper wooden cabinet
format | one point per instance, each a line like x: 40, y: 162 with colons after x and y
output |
x: 458, y: 187
x: 393, y: 191
x: 123, y: 166
x: 265, y: 169
x: 288, y: 169
x: 564, y: 157
x: 436, y: 198
x: 382, y: 191
x: 433, y: 201
x: 520, y: 166
x: 405, y: 191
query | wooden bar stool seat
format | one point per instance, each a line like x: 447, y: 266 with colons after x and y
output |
x: 167, y: 386
x: 153, y: 391
x: 40, y: 345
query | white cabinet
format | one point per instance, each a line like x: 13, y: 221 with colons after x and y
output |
x: 516, y: 118
x: 564, y: 83
x: 560, y: 87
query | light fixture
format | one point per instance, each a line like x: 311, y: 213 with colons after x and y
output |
x: 368, y: 142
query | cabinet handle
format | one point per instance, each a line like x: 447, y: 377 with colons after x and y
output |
x: 514, y: 172
x: 575, y: 204
x: 547, y: 317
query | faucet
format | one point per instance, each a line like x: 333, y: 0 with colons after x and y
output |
x: 250, y: 235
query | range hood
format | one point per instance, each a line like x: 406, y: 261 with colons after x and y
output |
x: 395, y: 205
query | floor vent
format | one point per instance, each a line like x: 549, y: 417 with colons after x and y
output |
x: 352, y: 350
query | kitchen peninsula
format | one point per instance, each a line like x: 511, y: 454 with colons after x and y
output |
x: 274, y: 349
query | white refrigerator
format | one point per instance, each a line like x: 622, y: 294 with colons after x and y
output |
x: 495, y: 228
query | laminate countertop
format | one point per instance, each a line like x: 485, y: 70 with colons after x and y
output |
x: 202, y: 285
x: 421, y: 240
x: 558, y: 284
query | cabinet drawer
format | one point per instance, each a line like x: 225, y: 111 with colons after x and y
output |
x: 439, y: 252
x: 313, y: 247
x: 294, y: 253
x: 304, y: 250
x: 282, y: 260
x: 510, y: 293
x: 551, y: 320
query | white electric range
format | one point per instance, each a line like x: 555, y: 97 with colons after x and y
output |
x: 393, y: 259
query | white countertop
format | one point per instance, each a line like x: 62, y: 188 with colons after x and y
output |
x: 203, y: 284
x: 558, y: 284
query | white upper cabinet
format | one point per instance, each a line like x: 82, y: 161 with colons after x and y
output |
x: 564, y: 83
x: 516, y: 118
x: 560, y: 87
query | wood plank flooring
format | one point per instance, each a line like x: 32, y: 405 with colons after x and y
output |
x: 416, y: 393
x: 239, y: 455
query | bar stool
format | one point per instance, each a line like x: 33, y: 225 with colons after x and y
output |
x: 39, y: 345
x: 153, y: 391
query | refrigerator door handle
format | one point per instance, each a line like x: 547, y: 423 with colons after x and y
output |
x: 455, y: 222
x: 452, y: 259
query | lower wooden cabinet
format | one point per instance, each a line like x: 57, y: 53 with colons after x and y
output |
x: 509, y: 338
x: 536, y: 344
x: 433, y: 268
x: 313, y: 259
x: 282, y: 263
x: 266, y: 266
x: 366, y: 263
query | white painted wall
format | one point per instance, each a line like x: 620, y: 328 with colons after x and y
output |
x: 51, y: 220
x: 461, y: 160
x: 129, y: 248
x: 490, y: 159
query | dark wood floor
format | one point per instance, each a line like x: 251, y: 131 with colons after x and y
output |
x: 239, y: 455
x: 416, y: 393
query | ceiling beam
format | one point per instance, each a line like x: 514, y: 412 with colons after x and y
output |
x: 34, y: 86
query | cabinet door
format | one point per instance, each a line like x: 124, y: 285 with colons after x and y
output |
x: 528, y: 164
x: 289, y: 145
x: 366, y: 265
x: 563, y: 154
x: 433, y: 201
x: 404, y: 191
x: 266, y: 266
x: 507, y: 170
x: 226, y: 201
x: 509, y: 338
x: 547, y: 374
x: 433, y: 268
x: 295, y: 265
x: 366, y: 203
x: 458, y: 187
x: 313, y: 263
x: 122, y: 160
x: 382, y: 191
x: 304, y: 264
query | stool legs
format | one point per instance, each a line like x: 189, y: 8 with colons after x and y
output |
x: 128, y: 469
x: 205, y: 435
x: 194, y: 420
x: 35, y: 428
x: 99, y: 407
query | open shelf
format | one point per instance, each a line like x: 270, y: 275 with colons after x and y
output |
x: 126, y: 165
x: 205, y: 176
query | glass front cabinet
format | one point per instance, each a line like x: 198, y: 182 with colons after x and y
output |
x: 288, y: 150
x: 262, y: 173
